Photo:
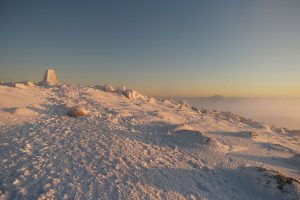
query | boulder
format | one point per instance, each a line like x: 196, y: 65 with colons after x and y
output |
x: 109, y: 88
x: 50, y: 77
x: 121, y: 89
x: 77, y: 111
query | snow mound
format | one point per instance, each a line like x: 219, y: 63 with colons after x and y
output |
x: 23, y: 85
x: 20, y: 86
x: 29, y: 83
x: 152, y: 100
x: 187, y: 138
x: 132, y: 94
x: 21, y: 111
x: 185, y: 127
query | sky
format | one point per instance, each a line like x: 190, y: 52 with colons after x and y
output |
x: 161, y: 48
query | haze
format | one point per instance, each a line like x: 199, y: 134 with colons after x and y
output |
x: 281, y: 112
x: 169, y: 48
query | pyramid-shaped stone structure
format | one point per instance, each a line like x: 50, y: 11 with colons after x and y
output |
x: 50, y: 77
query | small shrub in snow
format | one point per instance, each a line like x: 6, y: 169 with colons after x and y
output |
x: 77, y: 111
x: 252, y: 134
x: 211, y: 141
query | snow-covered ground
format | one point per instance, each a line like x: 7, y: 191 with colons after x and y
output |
x: 139, y: 148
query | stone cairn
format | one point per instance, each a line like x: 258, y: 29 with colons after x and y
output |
x: 50, y: 77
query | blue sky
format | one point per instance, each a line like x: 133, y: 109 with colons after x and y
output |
x: 164, y: 48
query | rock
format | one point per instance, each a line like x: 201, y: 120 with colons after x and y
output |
x: 183, y: 104
x: 99, y: 87
x: 109, y: 88
x: 50, y: 77
x: 121, y: 89
x: 77, y: 111
x: 20, y: 85
x: 196, y: 109
x: 129, y: 94
x: 132, y: 94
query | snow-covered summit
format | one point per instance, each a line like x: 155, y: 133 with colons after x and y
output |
x: 130, y: 146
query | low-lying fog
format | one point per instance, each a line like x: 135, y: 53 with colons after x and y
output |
x: 281, y: 112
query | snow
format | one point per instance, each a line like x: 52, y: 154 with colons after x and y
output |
x: 20, y: 86
x: 132, y: 94
x: 135, y: 147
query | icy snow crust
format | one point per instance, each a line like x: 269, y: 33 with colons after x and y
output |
x: 140, y: 148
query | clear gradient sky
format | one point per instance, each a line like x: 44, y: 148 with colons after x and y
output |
x: 160, y: 47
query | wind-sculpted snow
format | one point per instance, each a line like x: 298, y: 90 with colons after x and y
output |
x: 143, y: 148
